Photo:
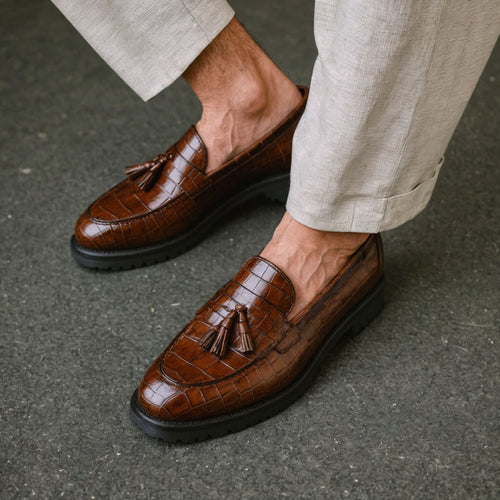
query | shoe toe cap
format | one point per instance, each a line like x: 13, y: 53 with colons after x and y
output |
x: 93, y: 234
x: 123, y: 218
x: 163, y: 399
x: 110, y: 222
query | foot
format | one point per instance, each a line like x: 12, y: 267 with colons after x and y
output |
x: 169, y: 204
x: 243, y: 94
x: 239, y: 361
x: 310, y: 258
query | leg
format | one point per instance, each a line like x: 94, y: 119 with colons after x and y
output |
x: 242, y: 92
x: 249, y: 107
x: 148, y: 43
x: 240, y: 147
x: 389, y: 86
x: 385, y: 100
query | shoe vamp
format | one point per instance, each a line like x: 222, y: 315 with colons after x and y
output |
x: 127, y: 200
x: 267, y: 296
x: 186, y: 362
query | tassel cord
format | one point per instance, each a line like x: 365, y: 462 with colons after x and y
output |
x: 146, y: 174
x: 217, y: 339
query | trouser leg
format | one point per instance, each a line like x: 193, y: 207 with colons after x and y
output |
x: 149, y: 43
x: 390, y: 83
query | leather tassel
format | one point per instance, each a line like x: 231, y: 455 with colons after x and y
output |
x: 146, y: 181
x: 208, y: 339
x: 135, y: 171
x: 219, y: 346
x: 146, y: 174
x: 245, y: 342
x: 216, y: 339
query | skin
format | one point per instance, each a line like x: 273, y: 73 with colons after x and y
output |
x: 310, y: 258
x: 244, y: 95
x: 242, y: 92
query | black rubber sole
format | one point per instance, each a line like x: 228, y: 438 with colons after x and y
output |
x: 199, y: 430
x: 274, y: 188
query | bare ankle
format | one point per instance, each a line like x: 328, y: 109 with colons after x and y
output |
x: 231, y: 124
x: 310, y: 258
x: 243, y: 94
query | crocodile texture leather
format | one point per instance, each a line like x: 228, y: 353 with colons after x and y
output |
x: 187, y: 382
x: 132, y: 215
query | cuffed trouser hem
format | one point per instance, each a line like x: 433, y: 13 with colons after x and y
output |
x: 149, y: 44
x: 366, y: 215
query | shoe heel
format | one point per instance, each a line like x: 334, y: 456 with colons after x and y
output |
x: 276, y: 189
x: 368, y: 309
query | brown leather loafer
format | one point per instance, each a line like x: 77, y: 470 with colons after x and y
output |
x: 240, y: 360
x: 169, y: 204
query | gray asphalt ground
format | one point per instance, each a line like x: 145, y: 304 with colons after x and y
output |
x: 407, y: 409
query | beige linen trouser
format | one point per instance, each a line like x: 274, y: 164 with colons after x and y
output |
x: 390, y: 82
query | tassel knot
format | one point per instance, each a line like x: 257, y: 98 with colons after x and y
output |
x: 216, y: 340
x: 146, y: 174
